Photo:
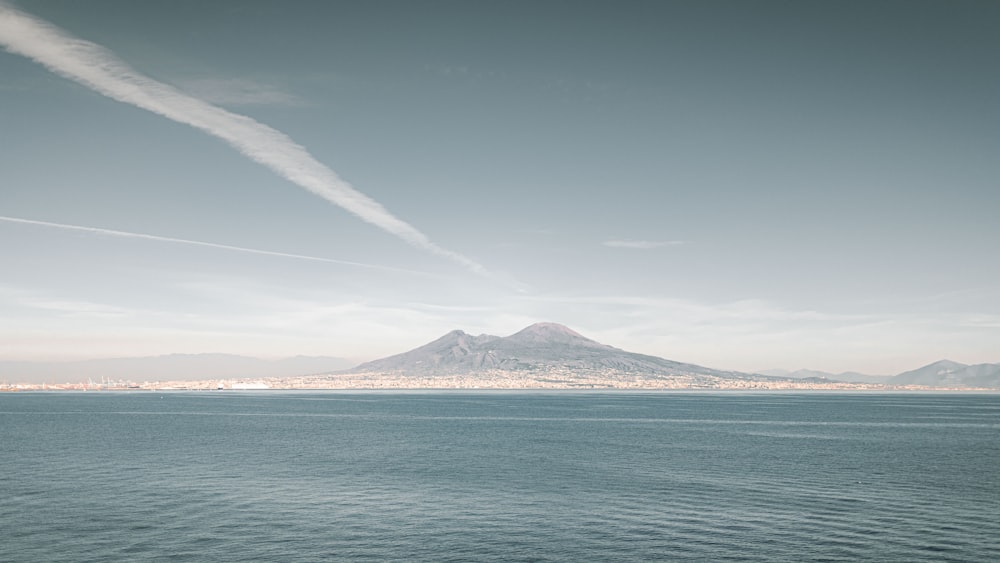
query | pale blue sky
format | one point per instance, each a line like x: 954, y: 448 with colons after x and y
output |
x: 743, y: 185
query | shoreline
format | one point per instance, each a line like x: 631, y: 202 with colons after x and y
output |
x: 454, y: 383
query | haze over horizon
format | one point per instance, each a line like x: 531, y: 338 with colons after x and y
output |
x: 738, y: 185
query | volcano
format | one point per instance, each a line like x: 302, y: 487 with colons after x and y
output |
x: 539, y: 347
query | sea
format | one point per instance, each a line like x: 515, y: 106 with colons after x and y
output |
x: 499, y: 476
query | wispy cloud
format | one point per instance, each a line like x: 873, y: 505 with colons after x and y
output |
x: 642, y: 244
x: 127, y: 234
x: 979, y: 320
x: 102, y: 71
x: 239, y: 92
x: 12, y: 298
x: 690, y: 314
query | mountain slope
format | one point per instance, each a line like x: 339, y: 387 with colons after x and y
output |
x: 454, y: 348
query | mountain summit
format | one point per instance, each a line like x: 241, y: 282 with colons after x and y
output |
x: 550, y: 333
x: 537, y: 348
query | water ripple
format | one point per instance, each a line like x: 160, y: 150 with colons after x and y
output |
x: 500, y: 477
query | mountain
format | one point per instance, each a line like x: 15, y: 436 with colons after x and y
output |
x: 172, y: 367
x: 553, y: 352
x: 539, y: 347
x: 811, y: 374
x: 946, y: 373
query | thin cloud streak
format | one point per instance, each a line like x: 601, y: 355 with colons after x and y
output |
x: 128, y: 234
x: 692, y: 313
x: 642, y: 244
x: 239, y: 92
x: 102, y: 71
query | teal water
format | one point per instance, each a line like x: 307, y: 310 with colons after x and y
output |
x: 492, y: 476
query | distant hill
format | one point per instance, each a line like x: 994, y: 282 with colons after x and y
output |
x: 946, y: 373
x: 811, y: 374
x: 541, y: 346
x: 173, y: 367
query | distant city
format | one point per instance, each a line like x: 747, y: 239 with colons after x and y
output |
x: 541, y: 356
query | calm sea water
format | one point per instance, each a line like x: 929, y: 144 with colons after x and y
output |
x: 275, y: 476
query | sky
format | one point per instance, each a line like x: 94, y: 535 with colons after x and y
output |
x: 743, y: 185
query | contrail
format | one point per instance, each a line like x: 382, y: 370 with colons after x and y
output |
x: 128, y: 234
x: 102, y: 71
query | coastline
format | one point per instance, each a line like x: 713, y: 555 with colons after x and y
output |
x: 487, y: 381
